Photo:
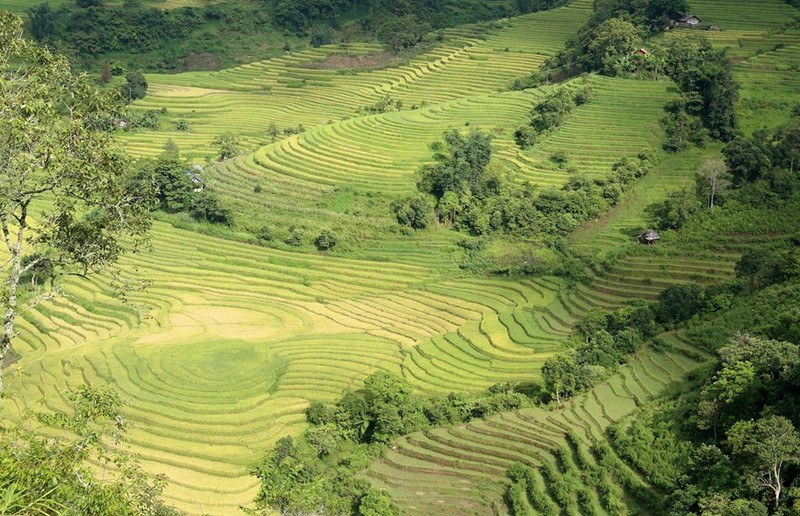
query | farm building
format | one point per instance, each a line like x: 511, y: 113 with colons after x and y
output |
x: 649, y: 237
x: 196, y: 180
x: 690, y: 20
x: 641, y: 52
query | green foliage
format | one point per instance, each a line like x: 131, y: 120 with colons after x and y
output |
x: 296, y: 236
x: 525, y: 136
x: 605, y: 341
x: 173, y: 183
x: 550, y: 113
x: 228, y: 144
x: 765, y: 445
x: 610, y: 39
x: 615, y: 29
x: 386, y: 105
x: 318, y: 472
x: 655, y: 447
x: 135, y: 86
x: 677, y: 303
x: 746, y: 159
x: 414, y: 211
x: 206, y: 206
x: 674, y: 211
x: 463, y: 169
x: 40, y: 474
x: 326, y: 240
x: 377, y: 503
x: 682, y: 128
x: 533, y: 6
x: 156, y: 38
x: 472, y: 196
x: 704, y: 76
x: 53, y: 150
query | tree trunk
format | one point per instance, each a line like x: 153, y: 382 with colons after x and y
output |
x: 15, y: 250
x: 8, y: 320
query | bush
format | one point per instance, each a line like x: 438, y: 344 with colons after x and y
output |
x: 265, y: 234
x: 326, y: 240
x: 206, y: 206
x: 413, y: 212
x: 135, y: 86
x: 525, y: 136
x: 228, y: 145
x: 295, y: 237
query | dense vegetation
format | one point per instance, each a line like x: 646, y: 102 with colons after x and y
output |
x: 471, y: 196
x: 317, y: 472
x: 211, y: 36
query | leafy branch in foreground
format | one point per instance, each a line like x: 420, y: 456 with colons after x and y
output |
x: 67, y: 202
x: 82, y: 470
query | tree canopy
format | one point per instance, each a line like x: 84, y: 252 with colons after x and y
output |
x: 59, y: 167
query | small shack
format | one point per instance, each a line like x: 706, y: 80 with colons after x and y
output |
x: 690, y: 20
x: 649, y: 237
x: 641, y: 52
x: 196, y: 180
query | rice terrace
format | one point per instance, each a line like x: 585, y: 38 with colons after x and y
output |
x: 445, y: 257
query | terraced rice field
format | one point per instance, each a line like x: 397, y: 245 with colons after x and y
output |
x: 230, y: 344
x: 746, y: 27
x: 765, y: 50
x: 223, y: 351
x: 770, y: 87
x: 452, y: 470
x: 291, y: 90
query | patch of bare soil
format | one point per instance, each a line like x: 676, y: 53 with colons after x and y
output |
x: 198, y: 62
x: 360, y: 62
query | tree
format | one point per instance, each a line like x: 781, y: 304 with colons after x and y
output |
x: 377, y: 503
x: 558, y: 373
x: 43, y: 474
x: 53, y: 155
x: 105, y: 76
x: 613, y: 37
x: 42, y: 21
x: 135, y: 86
x: 674, y: 211
x: 463, y: 168
x: 711, y: 179
x: 787, y: 150
x: 765, y: 446
x: 206, y: 206
x: 413, y: 211
x: 678, y: 303
x: 228, y: 145
x: 745, y: 159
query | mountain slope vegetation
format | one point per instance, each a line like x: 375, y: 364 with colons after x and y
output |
x: 284, y: 271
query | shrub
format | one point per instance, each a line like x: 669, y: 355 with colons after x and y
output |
x: 326, y: 240
x: 413, y: 212
x: 295, y: 238
x: 265, y: 233
x: 525, y: 136
x: 206, y: 206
